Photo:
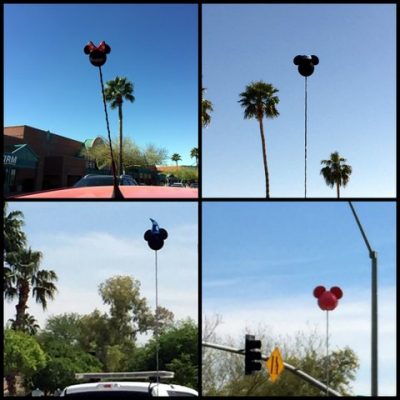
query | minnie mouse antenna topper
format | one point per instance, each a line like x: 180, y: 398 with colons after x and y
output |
x: 97, y: 55
x: 327, y: 301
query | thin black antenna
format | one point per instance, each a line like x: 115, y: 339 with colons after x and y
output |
x: 305, y: 65
x: 156, y: 327
x: 116, y: 191
x: 305, y: 139
x: 155, y: 239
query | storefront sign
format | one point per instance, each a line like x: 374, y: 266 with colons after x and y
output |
x: 10, y: 159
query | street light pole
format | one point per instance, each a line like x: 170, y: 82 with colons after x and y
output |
x: 373, y: 255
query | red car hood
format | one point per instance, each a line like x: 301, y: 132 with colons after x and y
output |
x: 105, y: 192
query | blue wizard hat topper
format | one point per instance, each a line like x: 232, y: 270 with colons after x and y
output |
x: 306, y: 64
x: 155, y: 236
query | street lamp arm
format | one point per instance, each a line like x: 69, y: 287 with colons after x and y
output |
x: 372, y: 254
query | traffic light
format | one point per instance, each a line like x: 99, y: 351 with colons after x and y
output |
x: 252, y: 355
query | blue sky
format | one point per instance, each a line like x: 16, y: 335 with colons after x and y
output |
x: 51, y: 85
x: 261, y: 262
x: 351, y: 97
x: 86, y: 243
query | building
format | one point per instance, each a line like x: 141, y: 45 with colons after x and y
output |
x: 38, y: 160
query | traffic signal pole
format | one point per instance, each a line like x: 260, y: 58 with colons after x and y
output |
x: 301, y: 374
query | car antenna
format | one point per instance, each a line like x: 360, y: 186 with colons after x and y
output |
x: 98, y: 57
x: 155, y: 239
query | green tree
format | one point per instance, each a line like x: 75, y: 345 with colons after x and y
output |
x: 60, y: 370
x: 336, y: 172
x: 64, y: 327
x: 259, y: 101
x: 185, y: 173
x: 116, y: 91
x: 57, y: 374
x: 194, y: 153
x: 25, y: 276
x: 178, y: 351
x: 28, y: 324
x: 153, y: 155
x: 176, y: 157
x: 96, y: 334
x: 22, y: 356
x: 129, y: 311
x: 132, y: 154
x: 206, y: 108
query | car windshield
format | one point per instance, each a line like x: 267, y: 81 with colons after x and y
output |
x: 95, y: 181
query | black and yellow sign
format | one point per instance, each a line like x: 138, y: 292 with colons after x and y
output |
x: 275, y: 364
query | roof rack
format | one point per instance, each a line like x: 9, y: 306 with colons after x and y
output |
x: 126, y: 375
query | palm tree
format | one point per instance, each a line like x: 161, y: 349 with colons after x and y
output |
x: 115, y: 93
x: 194, y: 153
x: 14, y: 241
x: 24, y: 275
x: 176, y: 157
x: 206, y: 108
x: 14, y: 237
x: 335, y: 172
x: 258, y: 100
x: 28, y: 324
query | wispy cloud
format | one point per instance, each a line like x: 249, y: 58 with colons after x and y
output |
x: 84, y: 261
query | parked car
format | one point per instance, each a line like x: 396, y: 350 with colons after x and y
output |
x: 178, y: 184
x: 104, y: 180
x: 194, y: 185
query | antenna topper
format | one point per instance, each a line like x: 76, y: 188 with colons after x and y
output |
x: 155, y: 236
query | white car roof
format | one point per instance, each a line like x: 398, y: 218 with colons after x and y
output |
x: 126, y: 386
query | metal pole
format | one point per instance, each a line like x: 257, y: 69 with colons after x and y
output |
x: 301, y: 374
x: 327, y: 351
x: 305, y: 138
x: 374, y: 325
x: 373, y: 255
x: 156, y: 327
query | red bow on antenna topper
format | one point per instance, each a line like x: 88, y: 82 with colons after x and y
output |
x: 97, y: 55
x: 328, y: 299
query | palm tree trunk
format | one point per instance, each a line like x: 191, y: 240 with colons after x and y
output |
x: 120, y: 139
x: 11, y: 385
x: 337, y: 190
x: 21, y: 306
x: 264, y: 149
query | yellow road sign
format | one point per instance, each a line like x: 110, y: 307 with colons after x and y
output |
x: 275, y: 364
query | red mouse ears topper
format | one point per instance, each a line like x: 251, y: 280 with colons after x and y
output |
x: 328, y: 299
x: 97, y: 55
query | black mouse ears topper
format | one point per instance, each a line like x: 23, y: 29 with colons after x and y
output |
x: 155, y: 236
x: 306, y: 64
x: 97, y: 55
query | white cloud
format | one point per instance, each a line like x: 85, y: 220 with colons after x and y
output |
x: 83, y: 262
